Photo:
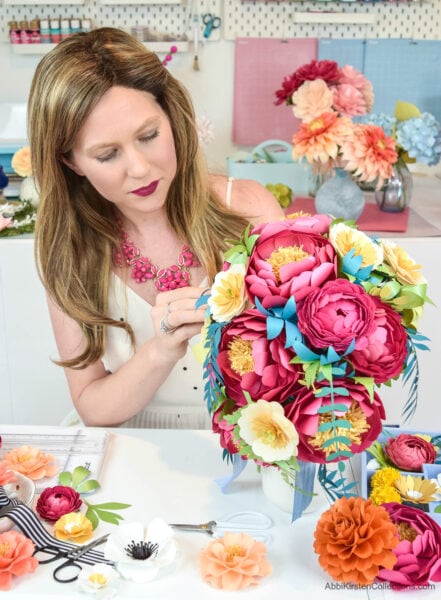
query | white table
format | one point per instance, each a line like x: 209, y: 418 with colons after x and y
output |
x: 171, y: 474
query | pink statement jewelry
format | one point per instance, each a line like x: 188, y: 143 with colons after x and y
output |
x: 165, y: 279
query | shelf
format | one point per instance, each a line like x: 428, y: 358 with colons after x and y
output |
x: 335, y: 17
x: 40, y: 2
x: 150, y: 2
x: 158, y: 47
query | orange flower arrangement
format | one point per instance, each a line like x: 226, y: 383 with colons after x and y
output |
x: 15, y: 557
x: 31, y: 462
x: 354, y: 539
x: 234, y: 561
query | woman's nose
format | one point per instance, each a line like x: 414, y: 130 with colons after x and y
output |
x: 138, y: 164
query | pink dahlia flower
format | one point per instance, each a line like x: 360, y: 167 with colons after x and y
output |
x: 335, y: 314
x: 249, y: 361
x: 419, y: 549
x: 348, y: 75
x: 385, y: 352
x: 288, y: 261
x: 349, y: 101
x: 409, y: 452
x: 365, y: 418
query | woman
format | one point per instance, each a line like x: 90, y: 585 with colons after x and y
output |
x: 124, y: 193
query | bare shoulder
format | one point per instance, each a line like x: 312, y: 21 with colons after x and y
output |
x: 249, y: 198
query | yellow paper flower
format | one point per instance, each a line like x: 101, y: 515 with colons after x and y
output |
x: 228, y: 296
x: 385, y: 493
x: 270, y: 434
x: 345, y: 238
x: 31, y: 462
x: 406, y: 269
x: 74, y: 527
x: 416, y: 489
x: 384, y: 477
x: 21, y: 162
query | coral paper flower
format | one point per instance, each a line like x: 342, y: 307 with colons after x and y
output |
x: 21, y: 162
x: 15, y: 557
x: 409, y: 452
x: 54, y: 502
x: 6, y: 474
x: 354, y: 539
x: 31, y: 461
x: 270, y: 434
x: 234, y: 562
x: 419, y: 550
x: 74, y: 527
x: 228, y: 295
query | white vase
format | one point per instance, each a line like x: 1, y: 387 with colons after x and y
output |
x: 28, y: 191
x: 280, y: 493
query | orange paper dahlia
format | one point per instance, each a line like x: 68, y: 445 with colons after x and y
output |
x: 354, y: 539
x: 234, y: 561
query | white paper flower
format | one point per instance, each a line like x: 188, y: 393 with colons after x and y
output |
x: 100, y: 580
x: 345, y: 238
x: 140, y: 553
x: 228, y: 296
x: 270, y: 434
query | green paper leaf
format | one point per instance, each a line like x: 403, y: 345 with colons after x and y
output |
x: 111, y: 505
x: 337, y: 423
x: 88, y: 486
x: 90, y: 514
x: 79, y: 474
x: 65, y: 478
x: 337, y: 439
x: 109, y: 517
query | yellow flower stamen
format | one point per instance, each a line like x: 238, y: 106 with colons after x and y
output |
x: 98, y: 578
x: 233, y: 551
x: 359, y: 425
x: 296, y: 215
x: 285, y: 256
x: 269, y: 432
x: 240, y: 355
x: 4, y: 549
x: 316, y: 124
x: 406, y: 531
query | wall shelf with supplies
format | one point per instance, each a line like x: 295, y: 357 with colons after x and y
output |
x: 41, y: 2
x: 158, y: 47
x: 335, y: 17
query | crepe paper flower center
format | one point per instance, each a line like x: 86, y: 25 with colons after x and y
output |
x: 344, y: 239
x: 379, y: 495
x: 240, y: 355
x: 233, y: 552
x: 359, y: 425
x: 141, y: 550
x: 385, y: 476
x: 416, y: 489
x: 406, y: 531
x: 98, y: 579
x: 4, y: 549
x: 269, y: 432
x: 285, y: 256
x: 300, y: 213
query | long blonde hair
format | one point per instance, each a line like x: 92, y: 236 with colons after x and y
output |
x: 75, y: 232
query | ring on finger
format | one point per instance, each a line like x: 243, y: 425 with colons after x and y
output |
x: 165, y: 327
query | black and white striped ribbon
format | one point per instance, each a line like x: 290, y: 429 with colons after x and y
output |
x: 27, y: 521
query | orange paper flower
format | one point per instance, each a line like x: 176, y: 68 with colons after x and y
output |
x: 30, y: 461
x: 21, y: 162
x: 6, y: 475
x: 15, y: 557
x: 354, y: 539
x: 73, y: 526
x: 234, y: 562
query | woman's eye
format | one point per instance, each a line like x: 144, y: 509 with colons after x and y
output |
x: 105, y: 157
x: 150, y: 136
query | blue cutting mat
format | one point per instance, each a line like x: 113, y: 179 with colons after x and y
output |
x: 399, y: 69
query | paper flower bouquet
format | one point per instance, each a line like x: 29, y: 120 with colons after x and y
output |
x: 308, y: 318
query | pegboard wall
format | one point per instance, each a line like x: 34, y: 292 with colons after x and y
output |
x: 418, y: 19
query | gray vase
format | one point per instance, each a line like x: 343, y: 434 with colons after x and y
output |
x: 396, y: 193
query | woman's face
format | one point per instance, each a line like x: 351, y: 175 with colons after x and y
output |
x: 126, y: 150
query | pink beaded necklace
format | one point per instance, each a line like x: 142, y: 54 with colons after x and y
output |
x: 167, y: 278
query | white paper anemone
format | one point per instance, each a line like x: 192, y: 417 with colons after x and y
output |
x: 100, y: 580
x: 140, y: 553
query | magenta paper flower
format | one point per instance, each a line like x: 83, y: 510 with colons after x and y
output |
x: 316, y: 69
x: 249, y: 361
x: 336, y: 314
x: 365, y: 418
x: 384, y: 355
x: 310, y: 223
x: 223, y: 428
x: 409, y: 452
x: 419, y: 549
x: 54, y: 502
x: 288, y: 261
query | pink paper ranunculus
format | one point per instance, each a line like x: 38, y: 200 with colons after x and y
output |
x: 409, y: 452
x: 288, y: 261
x: 336, y: 314
x: 365, y: 418
x: 419, y: 550
x: 249, y: 361
x: 54, y: 502
x: 384, y: 355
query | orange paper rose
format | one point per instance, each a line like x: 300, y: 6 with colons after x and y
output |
x: 354, y: 539
x: 15, y: 557
x: 30, y: 461
x: 233, y: 562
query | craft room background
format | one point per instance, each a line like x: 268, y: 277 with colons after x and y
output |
x: 396, y: 43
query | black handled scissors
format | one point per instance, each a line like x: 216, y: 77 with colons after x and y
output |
x: 211, y: 22
x: 72, y: 556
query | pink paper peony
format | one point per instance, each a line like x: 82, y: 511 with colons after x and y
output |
x: 288, y: 261
x: 310, y: 223
x: 336, y: 314
x: 384, y: 355
x: 249, y: 361
x: 365, y: 418
x: 419, y: 549
x: 409, y: 452
x: 15, y: 557
x: 54, y: 502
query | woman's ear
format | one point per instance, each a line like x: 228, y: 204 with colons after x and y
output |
x: 70, y: 163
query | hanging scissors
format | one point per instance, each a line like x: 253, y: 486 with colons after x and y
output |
x: 253, y: 523
x: 211, y: 22
x: 72, y: 557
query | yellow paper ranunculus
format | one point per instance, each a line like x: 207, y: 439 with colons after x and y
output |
x: 21, y: 162
x: 74, y: 527
x: 228, y: 295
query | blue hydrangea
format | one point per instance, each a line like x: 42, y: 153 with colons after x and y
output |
x: 387, y: 122
x: 421, y: 138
